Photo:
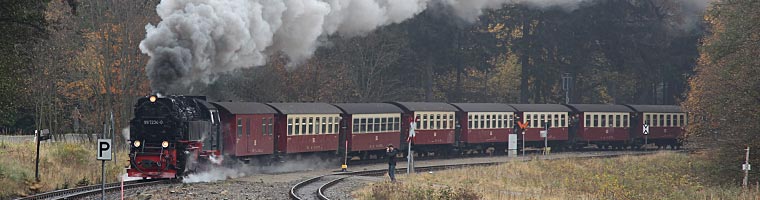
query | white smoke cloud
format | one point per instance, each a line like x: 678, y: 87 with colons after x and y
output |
x: 199, y: 39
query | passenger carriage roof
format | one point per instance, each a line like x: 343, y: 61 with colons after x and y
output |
x: 656, y: 108
x: 425, y: 106
x: 245, y: 107
x: 368, y: 108
x: 599, y: 108
x: 540, y: 108
x: 305, y: 108
x: 483, y: 107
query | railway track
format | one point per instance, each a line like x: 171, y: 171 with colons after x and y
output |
x: 95, y: 190
x: 315, y: 188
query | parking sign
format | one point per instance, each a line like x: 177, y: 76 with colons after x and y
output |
x: 104, y: 149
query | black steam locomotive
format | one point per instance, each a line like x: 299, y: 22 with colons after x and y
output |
x: 170, y: 135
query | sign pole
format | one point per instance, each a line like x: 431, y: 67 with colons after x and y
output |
x: 103, y: 180
x: 104, y: 153
x: 645, y: 130
x: 523, y: 142
x: 37, y: 162
x: 410, y: 157
x: 746, y: 168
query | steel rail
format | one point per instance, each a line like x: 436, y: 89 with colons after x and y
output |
x: 92, y: 190
x: 380, y: 172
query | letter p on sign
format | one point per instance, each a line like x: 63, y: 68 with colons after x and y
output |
x: 104, y: 149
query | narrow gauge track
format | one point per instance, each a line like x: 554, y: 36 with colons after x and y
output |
x: 315, y: 188
x: 93, y: 190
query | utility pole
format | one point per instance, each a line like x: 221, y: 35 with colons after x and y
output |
x: 566, y: 85
x: 746, y: 167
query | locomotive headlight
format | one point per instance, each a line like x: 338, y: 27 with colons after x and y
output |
x: 165, y: 144
x: 136, y: 143
x: 152, y: 98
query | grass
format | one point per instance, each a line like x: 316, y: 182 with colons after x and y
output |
x: 62, y: 165
x: 660, y: 176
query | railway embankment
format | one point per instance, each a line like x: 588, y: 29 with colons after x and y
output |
x: 665, y: 175
x: 62, y: 165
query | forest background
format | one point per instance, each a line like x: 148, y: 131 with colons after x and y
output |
x: 65, y: 64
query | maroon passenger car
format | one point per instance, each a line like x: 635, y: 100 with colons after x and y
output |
x: 306, y: 127
x: 603, y: 125
x: 434, y: 125
x: 666, y: 124
x: 484, y: 124
x: 247, y: 129
x: 536, y: 115
x: 370, y: 127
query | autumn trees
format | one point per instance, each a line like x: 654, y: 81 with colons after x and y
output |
x: 75, y: 62
x: 84, y: 60
x: 724, y: 100
x: 22, y: 23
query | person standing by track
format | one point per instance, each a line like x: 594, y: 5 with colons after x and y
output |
x: 391, y: 153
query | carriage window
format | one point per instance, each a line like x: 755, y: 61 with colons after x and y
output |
x: 588, y: 120
x: 290, y: 126
x: 536, y: 122
x: 654, y: 121
x: 541, y: 121
x: 596, y: 120
x: 562, y: 119
x: 625, y: 121
x: 327, y: 125
x: 416, y: 122
x: 363, y: 125
x: 451, y: 121
x: 668, y: 120
x: 376, y: 125
x: 617, y: 121
x: 555, y: 120
x: 648, y: 119
x: 494, y: 122
x: 528, y: 120
x: 662, y: 120
x: 240, y: 127
x: 469, y: 121
x: 487, y: 121
x: 423, y: 121
x: 297, y: 126
x: 396, y: 124
x: 356, y: 126
x: 264, y: 126
x: 500, y: 121
x: 681, y: 120
x: 438, y: 122
x: 270, y: 131
x: 445, y: 122
x: 509, y: 120
x: 383, y: 124
x: 318, y: 126
x: 370, y: 125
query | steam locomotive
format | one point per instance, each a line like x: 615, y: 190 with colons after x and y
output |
x: 172, y: 135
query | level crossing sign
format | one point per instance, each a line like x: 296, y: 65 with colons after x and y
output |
x: 104, y: 149
x: 645, y: 129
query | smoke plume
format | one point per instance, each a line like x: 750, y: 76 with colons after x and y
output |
x: 199, y: 39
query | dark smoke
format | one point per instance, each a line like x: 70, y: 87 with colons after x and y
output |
x: 199, y: 39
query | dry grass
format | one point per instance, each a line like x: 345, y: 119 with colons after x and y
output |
x: 659, y: 176
x: 62, y: 165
